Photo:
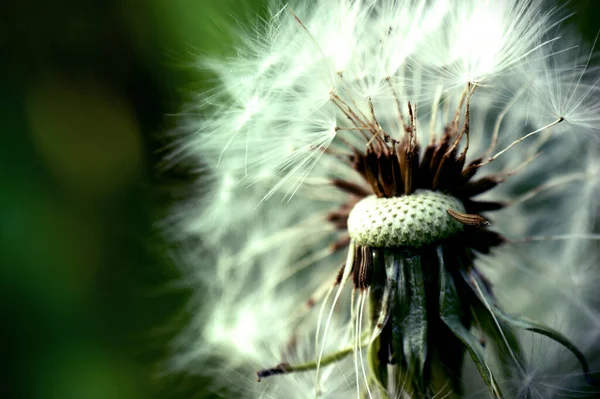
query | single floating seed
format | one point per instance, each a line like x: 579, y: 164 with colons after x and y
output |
x: 369, y: 221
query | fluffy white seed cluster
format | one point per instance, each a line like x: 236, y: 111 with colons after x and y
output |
x: 408, y: 221
x: 275, y: 131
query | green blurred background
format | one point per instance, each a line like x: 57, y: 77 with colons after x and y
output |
x: 87, y: 91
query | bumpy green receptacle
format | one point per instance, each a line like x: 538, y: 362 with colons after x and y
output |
x: 408, y: 221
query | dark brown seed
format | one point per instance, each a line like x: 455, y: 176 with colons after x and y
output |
x: 468, y: 219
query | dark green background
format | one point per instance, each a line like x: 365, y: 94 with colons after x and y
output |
x: 87, y: 91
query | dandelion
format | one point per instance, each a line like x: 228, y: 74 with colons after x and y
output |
x: 376, y: 172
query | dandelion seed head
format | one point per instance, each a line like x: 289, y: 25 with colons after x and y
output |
x: 331, y: 120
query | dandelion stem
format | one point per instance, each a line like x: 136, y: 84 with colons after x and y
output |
x: 285, y: 368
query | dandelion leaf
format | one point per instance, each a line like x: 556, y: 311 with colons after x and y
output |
x: 528, y: 324
x: 450, y: 313
x: 412, y: 316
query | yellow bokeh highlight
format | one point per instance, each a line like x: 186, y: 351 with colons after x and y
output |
x: 86, y: 133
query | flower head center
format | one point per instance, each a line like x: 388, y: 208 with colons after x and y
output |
x: 407, y: 221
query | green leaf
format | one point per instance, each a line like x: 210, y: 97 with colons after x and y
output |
x: 401, y: 309
x: 378, y: 370
x: 383, y: 309
x: 527, y: 324
x: 413, y: 323
x: 502, y: 335
x: 506, y: 344
x: 450, y: 313
x: 389, y: 291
